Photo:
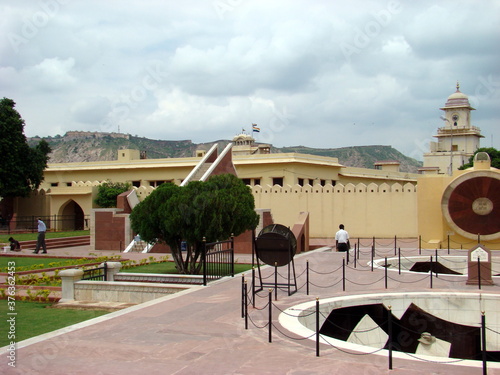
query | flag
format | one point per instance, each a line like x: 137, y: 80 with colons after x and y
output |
x: 255, y: 128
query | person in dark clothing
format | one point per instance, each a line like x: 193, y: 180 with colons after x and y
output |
x: 14, y: 245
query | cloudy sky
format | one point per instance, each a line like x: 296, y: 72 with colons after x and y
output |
x: 315, y: 73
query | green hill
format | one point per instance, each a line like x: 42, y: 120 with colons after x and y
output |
x: 361, y: 156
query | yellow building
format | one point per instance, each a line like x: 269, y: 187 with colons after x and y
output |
x: 371, y: 202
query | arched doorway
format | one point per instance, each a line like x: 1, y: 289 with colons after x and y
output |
x: 72, y: 217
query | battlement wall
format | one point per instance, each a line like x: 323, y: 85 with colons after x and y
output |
x: 366, y: 210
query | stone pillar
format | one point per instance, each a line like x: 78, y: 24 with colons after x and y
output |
x: 112, y: 269
x: 69, y: 277
x: 484, y: 255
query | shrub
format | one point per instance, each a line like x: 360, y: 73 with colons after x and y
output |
x: 108, y: 191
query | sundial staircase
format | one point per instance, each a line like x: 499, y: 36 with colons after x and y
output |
x: 138, y: 246
x: 210, y: 163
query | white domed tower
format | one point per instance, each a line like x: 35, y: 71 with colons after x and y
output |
x: 457, y: 140
x: 244, y: 144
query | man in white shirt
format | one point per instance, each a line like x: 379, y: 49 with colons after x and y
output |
x: 342, y: 239
x: 41, y: 237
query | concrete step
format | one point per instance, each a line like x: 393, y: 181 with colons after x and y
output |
x: 56, y: 243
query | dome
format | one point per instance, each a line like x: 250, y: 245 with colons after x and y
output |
x: 457, y: 99
x: 242, y: 137
x: 458, y: 95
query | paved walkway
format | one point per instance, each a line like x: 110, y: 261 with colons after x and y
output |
x: 201, y: 332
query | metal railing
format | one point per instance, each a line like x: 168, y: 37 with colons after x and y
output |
x: 52, y: 222
x: 97, y: 273
x: 217, y: 260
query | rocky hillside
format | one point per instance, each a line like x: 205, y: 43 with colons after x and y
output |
x: 92, y: 146
x: 361, y: 156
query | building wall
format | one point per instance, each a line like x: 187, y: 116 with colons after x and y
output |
x: 35, y: 205
x: 365, y: 210
x: 369, y: 202
x: 113, y: 229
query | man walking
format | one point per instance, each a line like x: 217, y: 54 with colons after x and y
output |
x: 342, y: 239
x: 41, y: 237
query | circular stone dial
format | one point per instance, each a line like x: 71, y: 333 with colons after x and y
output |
x: 471, y: 205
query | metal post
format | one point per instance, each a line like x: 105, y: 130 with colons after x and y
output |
x: 448, y: 244
x: 479, y: 272
x: 372, y: 258
x: 307, y: 277
x: 232, y: 255
x: 355, y: 257
x: 317, y: 327
x: 288, y: 266
x: 347, y: 255
x: 253, y: 248
x: 430, y: 269
x: 389, y: 328
x: 373, y: 246
x: 270, y: 303
x: 436, y: 261
x: 204, y: 261
x: 395, y: 244
x: 483, y: 342
x: 343, y: 274
x: 253, y: 287
x: 385, y: 272
x: 275, y: 281
x: 246, y: 305
x: 399, y: 260
x: 419, y: 245
x: 243, y: 295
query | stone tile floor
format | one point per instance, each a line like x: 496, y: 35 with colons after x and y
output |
x: 201, y: 331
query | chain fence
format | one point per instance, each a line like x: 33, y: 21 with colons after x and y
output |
x: 355, y: 263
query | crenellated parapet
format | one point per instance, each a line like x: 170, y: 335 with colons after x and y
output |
x: 337, y: 189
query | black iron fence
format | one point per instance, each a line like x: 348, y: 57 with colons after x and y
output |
x: 217, y: 260
x: 97, y: 273
x: 52, y: 222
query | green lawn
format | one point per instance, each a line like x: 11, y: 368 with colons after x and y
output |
x: 34, y: 318
x: 27, y: 263
x: 4, y: 238
x: 169, y: 267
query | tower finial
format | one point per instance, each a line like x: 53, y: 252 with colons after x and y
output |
x: 458, y: 86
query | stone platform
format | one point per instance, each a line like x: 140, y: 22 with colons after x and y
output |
x: 201, y: 331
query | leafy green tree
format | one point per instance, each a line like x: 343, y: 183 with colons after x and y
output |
x: 491, y: 151
x: 21, y: 169
x: 214, y: 210
x: 108, y: 191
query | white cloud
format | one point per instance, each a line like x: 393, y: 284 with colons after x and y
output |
x: 306, y: 72
x: 52, y: 74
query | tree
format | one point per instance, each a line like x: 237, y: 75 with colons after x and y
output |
x: 21, y: 170
x: 108, y: 191
x: 492, y: 152
x: 214, y: 210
